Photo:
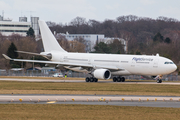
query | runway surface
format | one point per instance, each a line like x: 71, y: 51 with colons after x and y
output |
x: 139, y: 104
x: 83, y: 81
x: 117, y: 100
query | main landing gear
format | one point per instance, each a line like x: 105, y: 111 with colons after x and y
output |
x: 91, y: 79
x: 118, y: 79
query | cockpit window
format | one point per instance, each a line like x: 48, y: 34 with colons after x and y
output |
x: 168, y: 63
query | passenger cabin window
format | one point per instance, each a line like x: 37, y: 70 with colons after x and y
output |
x: 168, y: 63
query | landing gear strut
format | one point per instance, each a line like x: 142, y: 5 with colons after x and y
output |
x: 91, y: 79
x: 159, y: 78
x: 159, y: 81
x: 118, y: 79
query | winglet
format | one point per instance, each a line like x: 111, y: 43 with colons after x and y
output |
x: 8, y: 58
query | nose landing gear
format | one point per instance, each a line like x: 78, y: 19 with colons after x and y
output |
x: 159, y: 81
x: 159, y: 78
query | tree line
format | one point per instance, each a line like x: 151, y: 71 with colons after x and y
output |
x: 144, y: 35
x: 15, y: 42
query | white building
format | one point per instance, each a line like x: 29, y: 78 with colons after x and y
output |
x: 91, y: 39
x: 8, y: 27
x: 35, y: 25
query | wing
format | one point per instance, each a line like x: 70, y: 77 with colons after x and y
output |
x: 111, y: 68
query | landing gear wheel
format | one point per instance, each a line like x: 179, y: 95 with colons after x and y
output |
x: 123, y: 79
x: 95, y: 80
x: 159, y: 81
x: 91, y: 79
x: 87, y: 79
x: 114, y: 79
x: 119, y: 79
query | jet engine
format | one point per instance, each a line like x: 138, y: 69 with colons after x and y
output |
x: 102, y: 74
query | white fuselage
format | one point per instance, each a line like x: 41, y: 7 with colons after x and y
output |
x: 129, y: 64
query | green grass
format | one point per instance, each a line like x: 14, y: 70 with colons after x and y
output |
x: 7, y: 87
x: 84, y: 112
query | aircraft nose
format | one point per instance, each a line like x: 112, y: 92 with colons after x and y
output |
x: 173, y: 67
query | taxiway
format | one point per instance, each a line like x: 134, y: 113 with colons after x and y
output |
x: 118, y: 100
x: 83, y: 81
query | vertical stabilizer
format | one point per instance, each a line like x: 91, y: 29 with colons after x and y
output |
x: 49, y: 41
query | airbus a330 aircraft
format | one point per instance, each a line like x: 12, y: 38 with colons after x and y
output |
x: 100, y: 66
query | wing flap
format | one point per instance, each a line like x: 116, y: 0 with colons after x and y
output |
x: 47, y: 56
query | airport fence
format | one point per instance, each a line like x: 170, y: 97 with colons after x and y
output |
x: 37, y: 73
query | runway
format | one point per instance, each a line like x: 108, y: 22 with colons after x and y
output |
x: 83, y: 81
x: 117, y: 100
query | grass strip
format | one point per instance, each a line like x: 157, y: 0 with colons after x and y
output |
x: 84, y: 112
x: 8, y: 87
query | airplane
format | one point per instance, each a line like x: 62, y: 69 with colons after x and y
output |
x: 100, y: 66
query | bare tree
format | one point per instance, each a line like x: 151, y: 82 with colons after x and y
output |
x: 26, y: 44
x: 63, y: 42
x: 76, y: 46
x: 78, y: 21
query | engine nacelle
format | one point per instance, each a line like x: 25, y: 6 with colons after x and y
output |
x: 102, y: 74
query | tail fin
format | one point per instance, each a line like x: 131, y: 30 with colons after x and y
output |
x: 49, y: 41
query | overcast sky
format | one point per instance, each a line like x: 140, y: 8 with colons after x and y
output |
x: 63, y: 11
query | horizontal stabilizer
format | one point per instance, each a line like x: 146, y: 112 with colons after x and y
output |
x: 8, y: 58
x: 29, y: 53
x: 48, y: 56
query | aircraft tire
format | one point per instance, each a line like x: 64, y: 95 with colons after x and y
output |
x: 114, y: 79
x: 159, y: 81
x: 119, y: 79
x: 87, y: 79
x: 91, y: 79
x: 123, y: 79
x: 95, y: 80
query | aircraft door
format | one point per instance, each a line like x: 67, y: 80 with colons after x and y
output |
x: 133, y: 63
x: 156, y: 63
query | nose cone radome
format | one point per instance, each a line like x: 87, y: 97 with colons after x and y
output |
x: 173, y: 68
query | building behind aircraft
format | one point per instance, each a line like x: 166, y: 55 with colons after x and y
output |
x: 9, y: 27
